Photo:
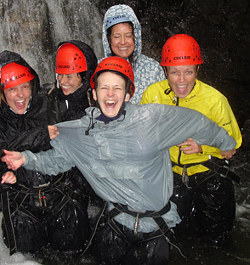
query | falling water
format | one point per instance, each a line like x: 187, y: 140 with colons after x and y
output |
x: 34, y: 29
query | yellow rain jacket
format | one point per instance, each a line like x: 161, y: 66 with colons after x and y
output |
x: 206, y: 100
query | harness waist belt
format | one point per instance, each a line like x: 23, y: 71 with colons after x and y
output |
x: 213, y: 166
x: 155, y: 215
x: 120, y: 208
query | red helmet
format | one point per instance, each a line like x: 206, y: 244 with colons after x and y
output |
x: 14, y: 74
x: 118, y: 64
x: 70, y: 59
x: 181, y: 49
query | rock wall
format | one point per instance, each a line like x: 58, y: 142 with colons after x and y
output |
x: 33, y: 28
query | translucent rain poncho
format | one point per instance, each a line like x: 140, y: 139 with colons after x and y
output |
x: 127, y: 160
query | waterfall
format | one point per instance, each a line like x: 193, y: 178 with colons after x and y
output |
x: 34, y: 28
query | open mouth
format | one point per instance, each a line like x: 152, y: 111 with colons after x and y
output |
x: 110, y: 104
x: 20, y: 104
x: 65, y: 87
x: 181, y: 88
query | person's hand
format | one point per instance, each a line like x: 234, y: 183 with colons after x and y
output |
x: 190, y: 147
x: 228, y: 154
x: 53, y: 131
x: 9, y: 177
x: 13, y: 159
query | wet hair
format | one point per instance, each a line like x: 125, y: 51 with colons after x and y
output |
x: 126, y: 79
x: 109, y: 30
x: 83, y: 76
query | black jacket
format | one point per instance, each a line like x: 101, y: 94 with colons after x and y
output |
x: 68, y: 107
x: 27, y: 131
x: 71, y: 107
x: 43, y: 209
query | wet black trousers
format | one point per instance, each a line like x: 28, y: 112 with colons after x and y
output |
x: 206, y: 205
x: 62, y: 224
x: 115, y: 244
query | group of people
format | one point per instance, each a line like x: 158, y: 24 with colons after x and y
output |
x: 91, y: 139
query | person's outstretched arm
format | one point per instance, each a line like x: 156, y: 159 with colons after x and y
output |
x: 177, y: 124
x: 50, y: 162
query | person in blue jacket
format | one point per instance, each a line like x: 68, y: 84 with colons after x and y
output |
x: 121, y: 36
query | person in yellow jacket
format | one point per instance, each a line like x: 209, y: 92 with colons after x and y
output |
x: 204, y: 196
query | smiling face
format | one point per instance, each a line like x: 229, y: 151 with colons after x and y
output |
x: 18, y: 97
x: 182, y: 79
x: 122, y: 40
x: 69, y: 82
x: 110, y: 93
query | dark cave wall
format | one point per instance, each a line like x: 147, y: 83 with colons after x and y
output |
x: 221, y: 28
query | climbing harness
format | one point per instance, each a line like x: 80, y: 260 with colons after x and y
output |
x: 222, y: 170
x: 163, y: 230
x: 40, y: 192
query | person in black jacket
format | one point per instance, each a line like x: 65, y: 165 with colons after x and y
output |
x: 39, y: 210
x: 71, y: 94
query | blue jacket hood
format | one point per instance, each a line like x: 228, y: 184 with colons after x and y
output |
x: 119, y: 10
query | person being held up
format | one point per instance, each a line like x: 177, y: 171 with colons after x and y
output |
x: 121, y: 36
x: 204, y: 198
x: 123, y: 151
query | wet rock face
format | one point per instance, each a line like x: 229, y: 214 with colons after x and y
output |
x: 26, y: 30
x: 35, y: 27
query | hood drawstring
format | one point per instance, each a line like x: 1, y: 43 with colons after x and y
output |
x: 91, y: 123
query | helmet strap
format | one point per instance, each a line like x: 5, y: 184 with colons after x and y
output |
x: 106, y: 119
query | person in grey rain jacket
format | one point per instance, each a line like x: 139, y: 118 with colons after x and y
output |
x: 121, y: 36
x: 123, y: 151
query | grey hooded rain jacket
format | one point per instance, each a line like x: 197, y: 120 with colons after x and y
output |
x: 127, y: 160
